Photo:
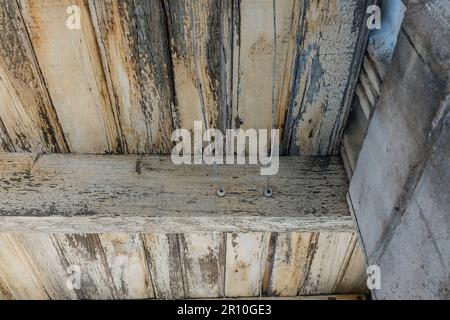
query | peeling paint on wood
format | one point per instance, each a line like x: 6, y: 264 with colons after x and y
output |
x: 163, y: 254
x: 253, y: 61
x: 354, y: 279
x: 328, y: 262
x: 328, y: 37
x: 87, y: 252
x: 197, y: 46
x: 28, y: 121
x: 133, y: 41
x: 245, y: 261
x: 96, y: 194
x: 72, y: 69
x: 137, y: 69
x: 126, y: 259
x: 289, y: 270
x: 164, y: 266
x: 203, y: 264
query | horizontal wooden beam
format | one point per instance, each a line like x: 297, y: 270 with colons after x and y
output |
x: 96, y: 194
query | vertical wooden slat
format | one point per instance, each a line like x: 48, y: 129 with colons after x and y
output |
x: 245, y: 262
x: 72, y: 69
x: 198, y: 46
x: 330, y: 258
x: 18, y: 272
x: 328, y: 39
x: 46, y: 263
x: 134, y: 46
x: 28, y: 121
x: 163, y: 255
x: 355, y: 277
x: 87, y: 253
x: 203, y: 257
x: 253, y: 60
x: 127, y: 261
x: 289, y: 264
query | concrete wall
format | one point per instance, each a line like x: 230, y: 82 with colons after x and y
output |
x: 400, y: 190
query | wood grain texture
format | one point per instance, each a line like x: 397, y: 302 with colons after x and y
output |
x: 354, y: 279
x: 95, y: 194
x: 126, y: 258
x: 86, y: 252
x: 169, y: 266
x: 329, y: 35
x: 203, y: 264
x: 137, y: 69
x: 254, y: 50
x: 28, y: 121
x: 199, y: 67
x: 133, y: 41
x: 71, y: 65
x: 163, y: 254
x: 17, y: 272
x: 245, y: 262
x: 290, y: 261
x: 330, y: 256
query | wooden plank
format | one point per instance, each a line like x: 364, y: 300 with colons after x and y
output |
x: 198, y: 48
x: 45, y: 264
x: 17, y: 272
x: 355, y: 277
x: 127, y: 262
x: 330, y: 33
x: 290, y: 262
x: 330, y: 258
x: 86, y: 253
x: 97, y: 194
x: 254, y: 50
x: 134, y: 46
x: 164, y: 262
x: 245, y: 262
x: 28, y: 121
x: 72, y: 69
x: 203, y: 264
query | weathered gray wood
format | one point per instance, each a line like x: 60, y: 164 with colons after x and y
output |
x: 28, y: 121
x: 163, y: 266
x: 71, y: 66
x: 133, y: 41
x: 163, y: 254
x: 245, y: 263
x: 255, y: 26
x: 203, y: 264
x: 95, y: 194
x: 128, y: 266
x: 331, y: 39
x: 200, y: 50
x: 291, y: 258
x: 354, y: 279
x: 328, y: 263
x: 87, y: 253
x: 18, y: 277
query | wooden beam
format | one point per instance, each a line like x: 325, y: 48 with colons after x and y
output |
x: 95, y: 194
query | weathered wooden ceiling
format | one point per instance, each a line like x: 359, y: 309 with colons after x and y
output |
x: 137, y: 69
